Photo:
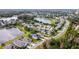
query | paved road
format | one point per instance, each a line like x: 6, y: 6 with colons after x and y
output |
x: 63, y: 31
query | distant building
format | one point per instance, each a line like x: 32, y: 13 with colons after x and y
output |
x: 9, y: 20
x: 77, y: 12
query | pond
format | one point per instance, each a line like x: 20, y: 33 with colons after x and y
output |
x: 43, y: 20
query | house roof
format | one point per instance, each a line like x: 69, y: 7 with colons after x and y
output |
x: 9, y: 34
x: 20, y: 43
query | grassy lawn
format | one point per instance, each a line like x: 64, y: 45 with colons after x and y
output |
x: 53, y: 22
x: 36, y: 40
x: 27, y: 34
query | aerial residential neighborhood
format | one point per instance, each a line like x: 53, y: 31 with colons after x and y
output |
x: 39, y: 29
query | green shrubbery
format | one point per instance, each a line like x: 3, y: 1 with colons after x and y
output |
x: 67, y: 40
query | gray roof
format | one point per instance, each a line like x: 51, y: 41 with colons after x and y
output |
x: 20, y: 43
x: 9, y: 34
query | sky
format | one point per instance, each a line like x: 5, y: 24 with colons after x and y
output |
x: 39, y: 4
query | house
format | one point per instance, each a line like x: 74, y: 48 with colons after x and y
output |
x: 37, y: 36
x: 10, y: 46
x: 34, y: 36
x: 76, y: 40
x: 77, y: 28
x: 20, y: 44
x: 1, y: 23
x: 12, y: 21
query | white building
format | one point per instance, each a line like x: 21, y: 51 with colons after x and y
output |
x: 9, y: 20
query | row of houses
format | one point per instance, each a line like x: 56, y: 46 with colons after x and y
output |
x: 46, y: 29
x: 60, y: 23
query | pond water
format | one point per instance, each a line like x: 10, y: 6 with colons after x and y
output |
x: 43, y: 20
